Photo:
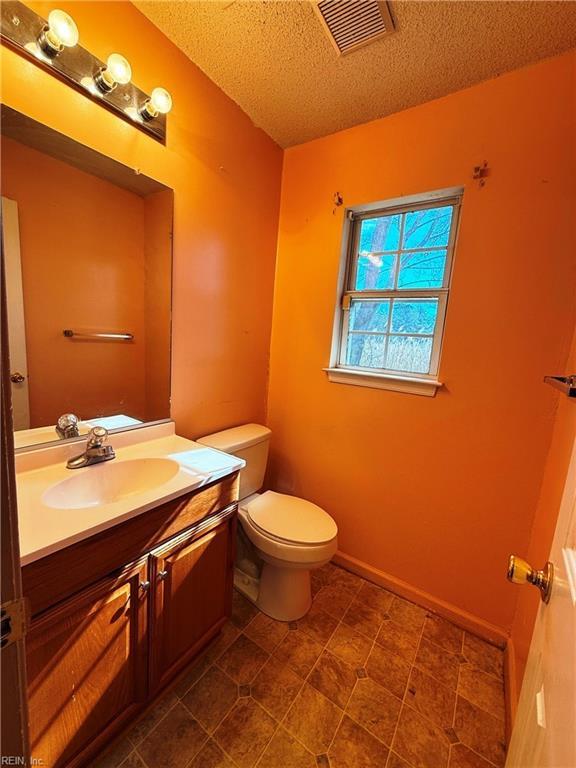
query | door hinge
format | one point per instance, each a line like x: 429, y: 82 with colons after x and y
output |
x: 14, y: 621
x: 346, y: 301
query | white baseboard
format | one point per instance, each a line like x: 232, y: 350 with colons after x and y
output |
x: 510, y: 687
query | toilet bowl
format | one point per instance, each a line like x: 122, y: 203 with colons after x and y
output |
x: 292, y: 537
x: 289, y: 536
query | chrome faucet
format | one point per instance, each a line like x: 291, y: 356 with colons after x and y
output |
x: 67, y: 426
x: 96, y: 452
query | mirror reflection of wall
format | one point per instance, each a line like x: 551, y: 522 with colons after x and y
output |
x: 87, y: 248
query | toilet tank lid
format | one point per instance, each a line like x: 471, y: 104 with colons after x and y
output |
x: 235, y: 439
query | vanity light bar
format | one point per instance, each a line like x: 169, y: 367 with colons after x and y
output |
x: 53, y: 45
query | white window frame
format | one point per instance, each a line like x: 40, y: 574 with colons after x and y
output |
x: 382, y: 378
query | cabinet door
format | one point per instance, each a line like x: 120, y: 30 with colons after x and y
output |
x: 87, y: 668
x: 192, y: 597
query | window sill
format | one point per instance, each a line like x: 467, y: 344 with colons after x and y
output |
x: 408, y: 384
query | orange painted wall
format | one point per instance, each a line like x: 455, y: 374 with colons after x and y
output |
x: 157, y: 248
x: 82, y: 268
x: 538, y: 551
x: 225, y: 173
x: 436, y: 491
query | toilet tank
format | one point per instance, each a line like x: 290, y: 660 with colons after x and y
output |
x: 249, y: 442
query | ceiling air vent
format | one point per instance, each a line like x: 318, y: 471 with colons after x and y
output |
x: 354, y: 23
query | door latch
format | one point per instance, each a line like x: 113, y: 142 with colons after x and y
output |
x: 13, y: 621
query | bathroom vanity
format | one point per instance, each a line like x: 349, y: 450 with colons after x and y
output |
x: 119, y: 608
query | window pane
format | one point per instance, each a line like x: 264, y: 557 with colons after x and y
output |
x: 409, y: 353
x: 431, y: 227
x: 414, y: 315
x: 381, y: 234
x: 369, y: 315
x: 424, y: 269
x: 364, y: 350
x: 375, y: 273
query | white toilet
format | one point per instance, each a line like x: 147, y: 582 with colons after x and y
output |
x: 289, y: 536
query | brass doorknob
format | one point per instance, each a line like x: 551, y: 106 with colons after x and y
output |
x: 521, y: 572
x: 17, y: 378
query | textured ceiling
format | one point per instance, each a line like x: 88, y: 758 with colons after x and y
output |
x: 275, y: 60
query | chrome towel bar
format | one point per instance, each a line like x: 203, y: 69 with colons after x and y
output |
x: 566, y: 384
x: 111, y: 336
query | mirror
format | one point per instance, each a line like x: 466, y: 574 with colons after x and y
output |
x: 87, y: 246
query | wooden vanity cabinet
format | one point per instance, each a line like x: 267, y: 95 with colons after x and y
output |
x: 192, y: 577
x: 86, y: 663
x: 101, y: 653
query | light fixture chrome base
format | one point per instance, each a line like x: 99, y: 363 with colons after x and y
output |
x: 145, y: 114
x: 101, y: 83
x: 46, y: 46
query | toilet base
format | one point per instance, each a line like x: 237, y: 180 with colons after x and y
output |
x: 247, y: 585
x: 284, y: 593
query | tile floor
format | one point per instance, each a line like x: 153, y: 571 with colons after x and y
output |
x: 365, y: 680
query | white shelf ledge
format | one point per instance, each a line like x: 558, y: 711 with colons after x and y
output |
x: 409, y: 384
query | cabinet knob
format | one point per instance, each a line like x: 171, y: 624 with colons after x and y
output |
x: 17, y: 378
x: 162, y: 575
x: 521, y: 572
x: 144, y: 586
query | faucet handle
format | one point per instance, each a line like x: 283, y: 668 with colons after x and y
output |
x: 95, y: 452
x: 67, y: 425
x: 97, y: 436
x: 68, y: 420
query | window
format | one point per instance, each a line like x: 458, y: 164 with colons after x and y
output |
x: 395, y: 290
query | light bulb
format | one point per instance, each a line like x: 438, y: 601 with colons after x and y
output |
x: 119, y: 68
x: 117, y: 71
x: 61, y: 32
x: 64, y: 27
x: 160, y: 102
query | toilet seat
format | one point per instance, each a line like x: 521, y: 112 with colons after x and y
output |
x: 284, y: 553
x: 290, y: 520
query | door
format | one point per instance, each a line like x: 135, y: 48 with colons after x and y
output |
x: 544, y: 734
x: 13, y: 709
x: 86, y: 665
x: 192, y: 597
x: 15, y: 303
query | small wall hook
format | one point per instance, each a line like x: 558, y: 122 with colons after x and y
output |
x: 481, y: 173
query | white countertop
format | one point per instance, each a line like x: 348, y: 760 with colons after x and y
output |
x: 44, y: 530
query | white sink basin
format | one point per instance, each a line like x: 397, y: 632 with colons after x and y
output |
x: 108, y: 482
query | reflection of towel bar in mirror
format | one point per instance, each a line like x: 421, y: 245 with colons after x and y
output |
x: 111, y: 336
